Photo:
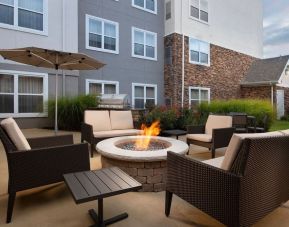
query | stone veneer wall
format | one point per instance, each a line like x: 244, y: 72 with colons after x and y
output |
x: 223, y: 76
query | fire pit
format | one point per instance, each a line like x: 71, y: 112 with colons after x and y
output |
x: 146, y: 165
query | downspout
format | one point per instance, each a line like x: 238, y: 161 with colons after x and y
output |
x: 183, y: 56
x: 63, y: 45
x: 272, y: 95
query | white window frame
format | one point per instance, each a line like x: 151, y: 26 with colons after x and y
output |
x: 198, y: 19
x: 145, y: 98
x: 16, y: 75
x: 199, y: 62
x: 133, y: 29
x: 144, y: 8
x: 116, y: 24
x: 28, y: 30
x: 102, y: 82
x: 199, y: 89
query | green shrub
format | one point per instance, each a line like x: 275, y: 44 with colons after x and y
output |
x: 256, y: 108
x: 70, y: 110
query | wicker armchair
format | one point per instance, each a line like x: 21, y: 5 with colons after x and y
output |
x: 46, y: 162
x: 215, y: 134
x: 256, y: 183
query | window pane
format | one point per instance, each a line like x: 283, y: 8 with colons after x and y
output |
x: 150, y: 52
x: 204, y: 47
x: 194, y: 104
x: 109, y: 30
x: 109, y: 89
x: 150, y: 92
x: 6, y: 14
x: 204, y: 16
x: 7, y: 2
x: 139, y: 103
x: 150, y: 39
x: 194, y: 12
x: 95, y: 89
x: 139, y: 49
x: 195, y: 56
x: 139, y: 3
x: 204, y: 5
x: 139, y: 91
x: 95, y: 26
x: 204, y: 95
x: 109, y: 43
x: 94, y: 40
x: 30, y: 85
x: 30, y: 104
x: 195, y: 3
x: 34, y: 5
x: 150, y: 102
x: 28, y: 19
x: 139, y: 37
x: 194, y: 44
x: 6, y: 83
x: 195, y: 94
x: 168, y: 10
x: 150, y: 4
x: 204, y: 58
x: 6, y: 103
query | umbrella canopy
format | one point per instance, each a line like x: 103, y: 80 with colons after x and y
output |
x: 55, y: 59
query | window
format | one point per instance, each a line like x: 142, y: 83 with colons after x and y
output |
x: 199, y: 9
x: 199, y: 52
x: 101, y: 34
x: 147, y: 5
x: 168, y: 10
x: 23, y: 94
x: 143, y: 94
x: 26, y: 15
x: 198, y: 95
x: 144, y: 44
x: 100, y: 87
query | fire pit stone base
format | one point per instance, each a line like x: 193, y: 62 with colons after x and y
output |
x: 151, y: 175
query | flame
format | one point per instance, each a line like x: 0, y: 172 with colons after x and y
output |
x: 153, y: 130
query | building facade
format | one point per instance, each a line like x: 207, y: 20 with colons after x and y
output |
x: 209, y: 47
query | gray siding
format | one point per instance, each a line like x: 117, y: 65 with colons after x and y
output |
x: 123, y: 67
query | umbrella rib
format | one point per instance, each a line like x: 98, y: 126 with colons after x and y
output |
x: 43, y: 59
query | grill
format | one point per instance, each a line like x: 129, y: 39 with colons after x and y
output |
x: 114, y: 101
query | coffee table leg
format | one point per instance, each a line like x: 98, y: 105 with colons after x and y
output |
x: 98, y: 218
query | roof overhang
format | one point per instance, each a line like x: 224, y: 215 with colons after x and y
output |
x: 258, y: 84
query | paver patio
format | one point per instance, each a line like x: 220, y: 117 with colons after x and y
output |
x: 54, y: 206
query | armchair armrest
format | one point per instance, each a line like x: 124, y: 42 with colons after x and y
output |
x: 213, y: 190
x: 221, y: 137
x: 86, y: 132
x: 43, y: 166
x: 50, y: 141
x: 195, y: 129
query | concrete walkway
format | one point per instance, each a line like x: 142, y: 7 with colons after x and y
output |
x: 53, y: 205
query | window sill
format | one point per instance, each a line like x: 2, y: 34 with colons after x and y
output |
x: 198, y: 63
x: 198, y: 20
x: 102, y: 50
x: 21, y: 29
x: 144, y: 9
x: 145, y: 58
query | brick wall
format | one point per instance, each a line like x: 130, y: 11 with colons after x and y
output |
x: 223, y: 76
x: 261, y: 92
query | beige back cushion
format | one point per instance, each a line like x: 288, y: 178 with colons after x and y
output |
x: 215, y: 121
x: 99, y: 119
x: 121, y: 119
x: 15, y: 134
x: 235, y: 145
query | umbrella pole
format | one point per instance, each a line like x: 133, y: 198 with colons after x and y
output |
x: 56, y: 106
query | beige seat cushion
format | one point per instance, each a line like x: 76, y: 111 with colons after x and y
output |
x: 99, y: 119
x: 200, y: 137
x: 115, y: 133
x: 217, y: 162
x: 121, y: 120
x: 235, y: 144
x: 15, y: 134
x: 215, y: 121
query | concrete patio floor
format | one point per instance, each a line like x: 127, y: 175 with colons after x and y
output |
x: 53, y: 205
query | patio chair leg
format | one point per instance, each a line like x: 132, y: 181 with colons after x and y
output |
x: 169, y: 197
x: 11, y: 200
x: 213, y: 152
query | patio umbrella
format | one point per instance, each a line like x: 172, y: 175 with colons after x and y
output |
x: 57, y: 60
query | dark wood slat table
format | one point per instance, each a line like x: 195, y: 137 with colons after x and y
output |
x: 97, y: 185
x: 174, y: 132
